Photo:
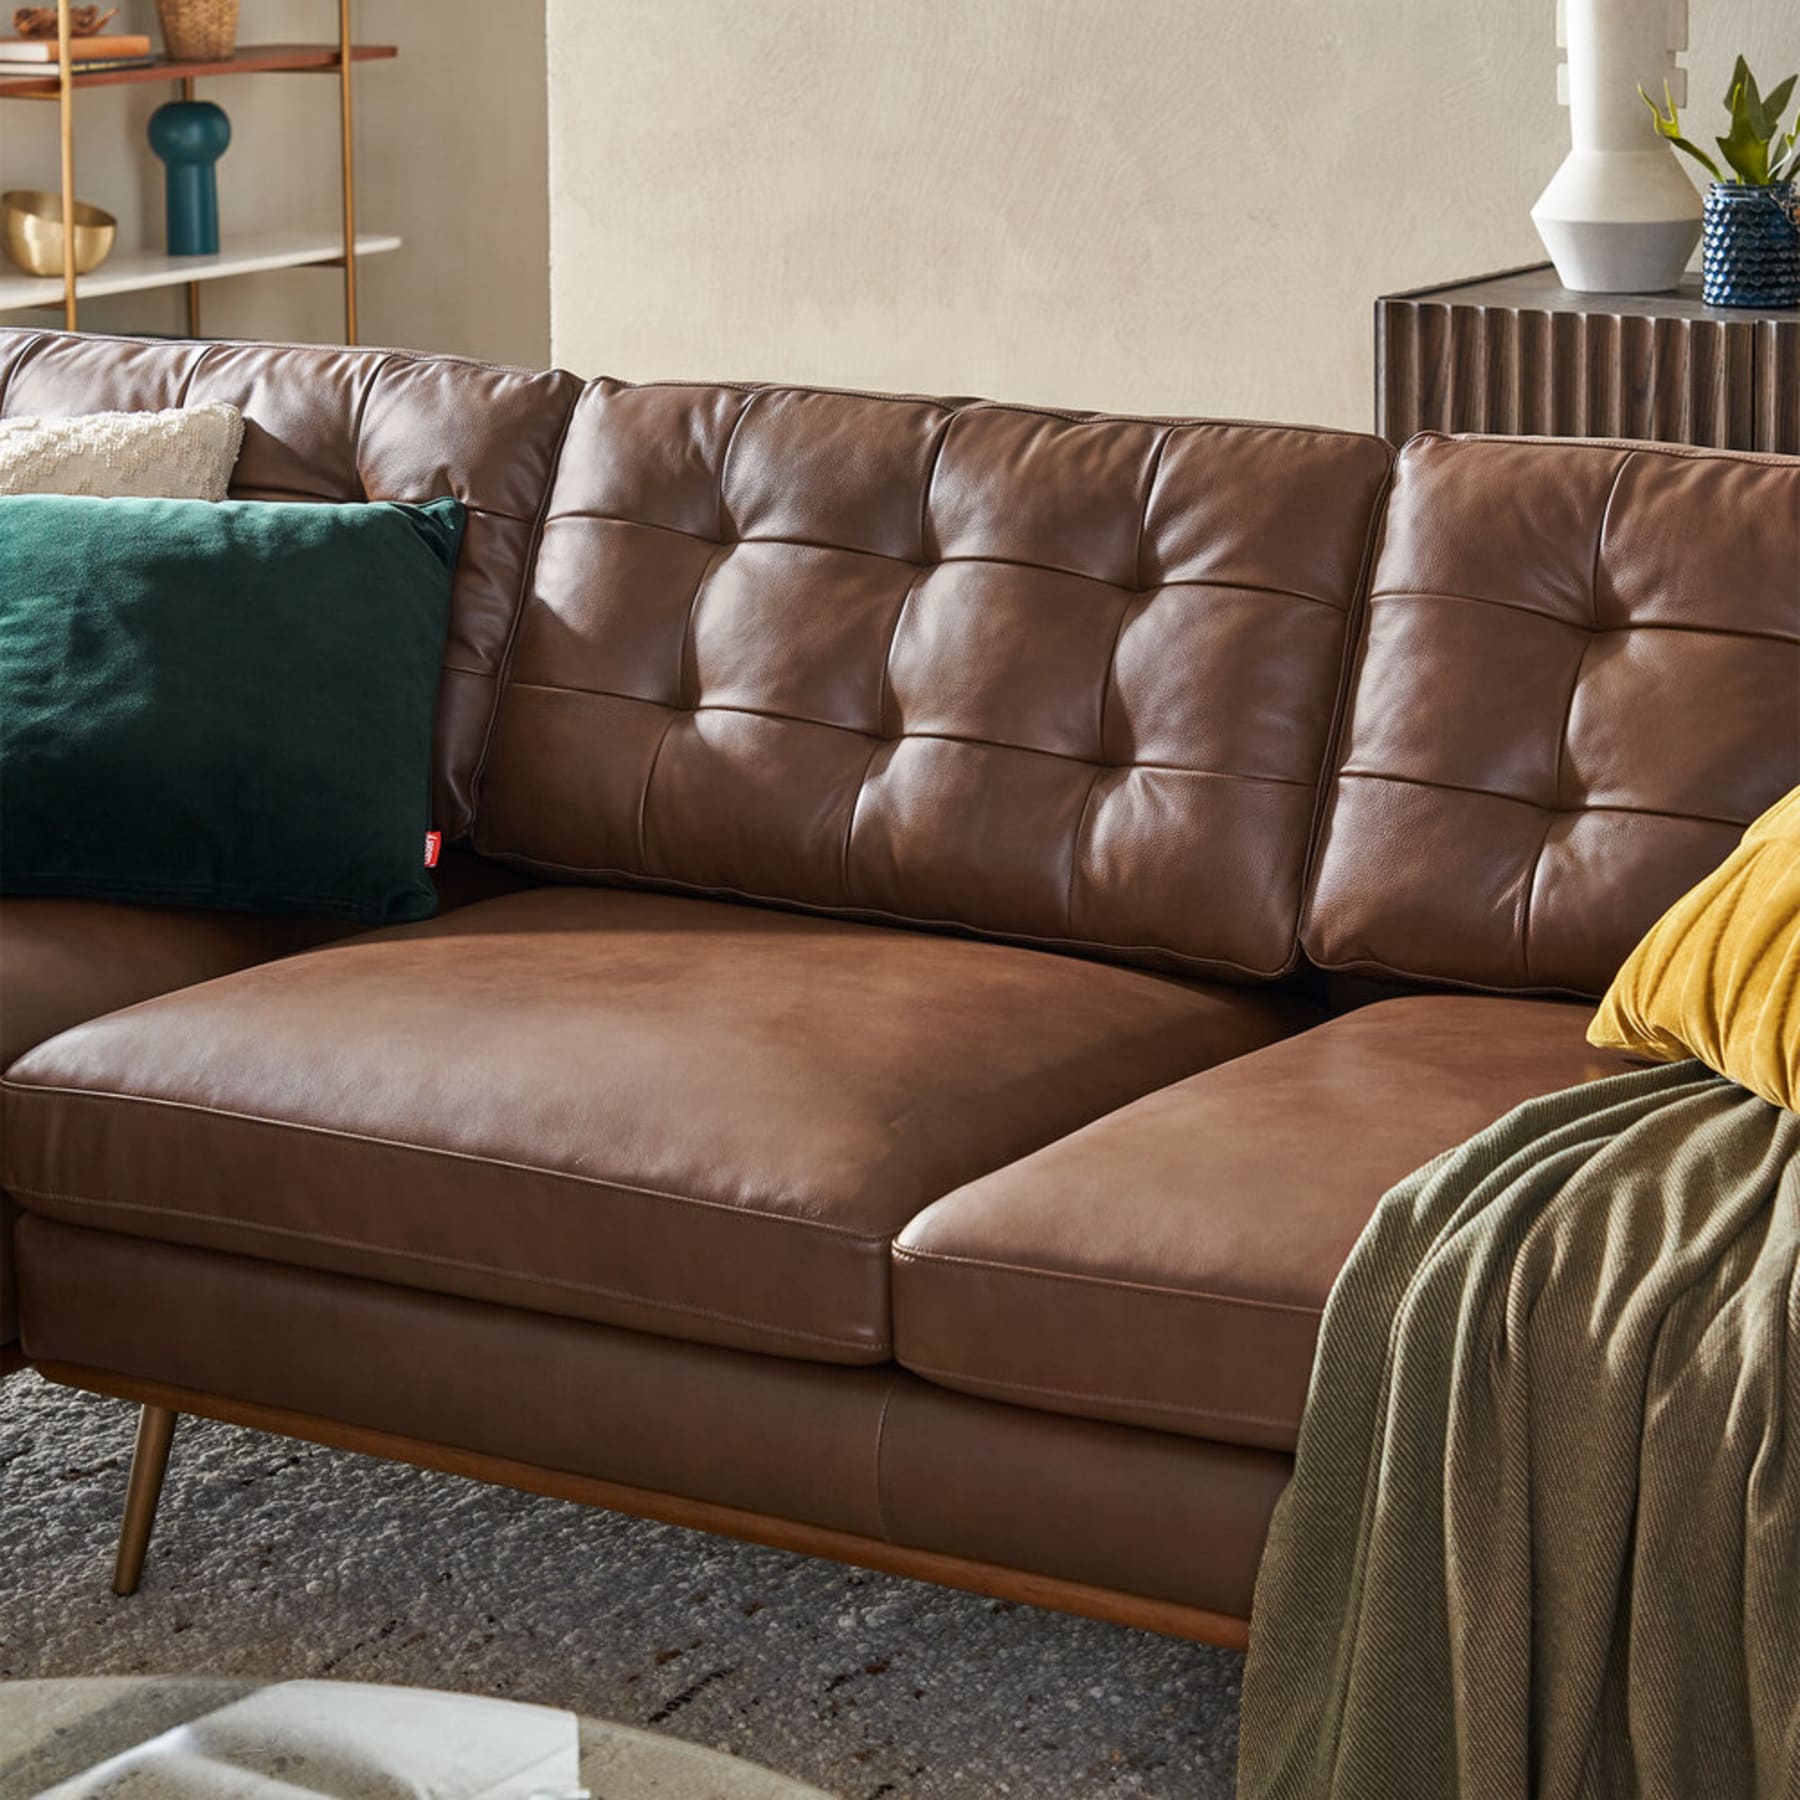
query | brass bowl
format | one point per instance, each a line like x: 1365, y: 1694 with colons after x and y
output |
x: 33, y: 232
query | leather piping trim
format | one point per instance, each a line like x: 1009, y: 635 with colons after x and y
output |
x: 1430, y: 982
x: 27, y: 1088
x: 363, y: 353
x: 969, y: 403
x: 878, y: 1349
x: 1171, y: 1618
x: 904, y: 1253
x: 1639, y: 446
x: 958, y: 1378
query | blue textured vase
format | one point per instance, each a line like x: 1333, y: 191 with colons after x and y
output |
x: 190, y: 136
x: 1750, y: 245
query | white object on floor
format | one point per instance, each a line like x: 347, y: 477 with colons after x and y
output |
x: 1620, y: 216
x: 181, y: 1738
x: 351, y: 1742
x: 182, y: 453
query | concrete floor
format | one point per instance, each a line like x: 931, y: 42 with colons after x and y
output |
x: 275, y: 1559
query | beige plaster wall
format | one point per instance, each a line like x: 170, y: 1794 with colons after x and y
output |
x: 451, y: 153
x: 1149, y: 205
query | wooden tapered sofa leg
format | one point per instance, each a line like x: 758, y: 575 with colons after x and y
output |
x: 156, y: 1430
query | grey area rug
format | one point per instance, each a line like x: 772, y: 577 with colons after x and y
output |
x: 276, y: 1559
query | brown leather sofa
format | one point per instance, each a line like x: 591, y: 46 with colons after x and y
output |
x: 964, y: 911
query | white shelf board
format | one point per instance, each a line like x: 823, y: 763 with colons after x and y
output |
x: 132, y: 271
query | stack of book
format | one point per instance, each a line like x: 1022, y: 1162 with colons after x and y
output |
x: 125, y: 50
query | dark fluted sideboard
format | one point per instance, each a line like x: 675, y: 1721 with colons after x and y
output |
x: 1517, y: 353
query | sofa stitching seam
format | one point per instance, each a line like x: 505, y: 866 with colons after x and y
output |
x: 58, y: 1197
x: 27, y: 1088
x: 904, y: 1253
x: 1167, y: 1406
x: 1393, y: 778
x: 887, y: 657
x: 752, y: 539
x: 721, y: 549
x: 679, y: 711
x: 1588, y: 629
x: 1555, y: 809
x: 961, y: 739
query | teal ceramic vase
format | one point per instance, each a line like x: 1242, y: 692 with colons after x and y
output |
x: 190, y: 136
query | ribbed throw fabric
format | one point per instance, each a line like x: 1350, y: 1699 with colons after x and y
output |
x: 1543, y: 1536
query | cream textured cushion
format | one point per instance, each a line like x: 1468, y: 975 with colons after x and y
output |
x: 186, y: 453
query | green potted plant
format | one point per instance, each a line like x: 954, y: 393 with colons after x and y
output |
x: 1750, y: 244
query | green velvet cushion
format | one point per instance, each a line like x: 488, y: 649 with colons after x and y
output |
x: 222, y: 704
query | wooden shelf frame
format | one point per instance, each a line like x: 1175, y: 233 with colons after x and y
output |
x: 20, y: 81
x: 339, y: 59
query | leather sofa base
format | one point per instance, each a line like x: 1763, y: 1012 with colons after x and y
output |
x: 1001, y: 1583
x: 871, y: 1467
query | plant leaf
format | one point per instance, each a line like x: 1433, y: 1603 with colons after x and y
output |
x: 1699, y: 156
x: 1753, y: 102
x: 1775, y: 104
x: 1671, y: 129
x: 1746, y: 149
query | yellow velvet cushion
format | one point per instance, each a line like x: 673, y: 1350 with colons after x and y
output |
x: 1718, y: 976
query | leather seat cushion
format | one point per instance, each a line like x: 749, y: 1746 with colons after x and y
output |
x: 62, y: 961
x: 678, y: 1115
x: 1168, y: 1265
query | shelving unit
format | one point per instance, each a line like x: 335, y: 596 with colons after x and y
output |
x: 136, y: 271
x: 133, y: 271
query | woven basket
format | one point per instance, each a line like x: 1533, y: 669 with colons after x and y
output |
x: 198, y: 30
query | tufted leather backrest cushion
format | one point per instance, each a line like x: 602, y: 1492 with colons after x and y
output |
x: 1579, y: 681
x: 325, y: 424
x: 1064, y: 679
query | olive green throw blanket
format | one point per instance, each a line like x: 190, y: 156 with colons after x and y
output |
x: 1543, y: 1536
